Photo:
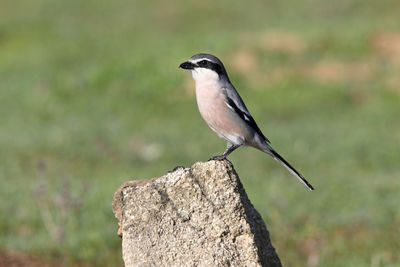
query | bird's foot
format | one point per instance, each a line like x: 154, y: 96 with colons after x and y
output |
x: 220, y: 157
x: 176, y: 168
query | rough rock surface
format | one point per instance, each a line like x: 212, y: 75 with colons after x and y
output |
x: 198, y: 216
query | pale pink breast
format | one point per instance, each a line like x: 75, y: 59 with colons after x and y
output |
x: 219, y: 117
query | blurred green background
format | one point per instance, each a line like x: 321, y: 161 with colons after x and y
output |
x: 91, y: 96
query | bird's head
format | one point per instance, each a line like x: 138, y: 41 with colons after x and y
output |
x: 205, y: 67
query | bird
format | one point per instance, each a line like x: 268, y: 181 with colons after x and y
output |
x: 224, y: 111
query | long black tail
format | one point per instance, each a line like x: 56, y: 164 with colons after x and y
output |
x: 286, y: 164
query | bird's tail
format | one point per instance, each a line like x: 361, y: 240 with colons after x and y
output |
x: 269, y: 150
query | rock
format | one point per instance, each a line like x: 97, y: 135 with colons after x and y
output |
x: 198, y: 216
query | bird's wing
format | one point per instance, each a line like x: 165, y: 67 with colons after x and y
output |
x: 235, y: 103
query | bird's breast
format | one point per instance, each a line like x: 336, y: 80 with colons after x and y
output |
x: 209, y: 98
x: 213, y: 109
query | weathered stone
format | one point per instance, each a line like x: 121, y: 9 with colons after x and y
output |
x: 198, y: 216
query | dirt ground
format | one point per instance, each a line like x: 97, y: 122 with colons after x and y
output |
x: 18, y: 259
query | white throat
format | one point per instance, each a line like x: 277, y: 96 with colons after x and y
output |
x: 203, y: 76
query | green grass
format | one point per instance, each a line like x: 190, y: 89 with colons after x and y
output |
x: 91, y: 96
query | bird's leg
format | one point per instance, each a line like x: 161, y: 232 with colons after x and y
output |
x: 229, y: 149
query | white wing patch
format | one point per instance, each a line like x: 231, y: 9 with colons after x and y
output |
x: 229, y: 106
x: 246, y: 117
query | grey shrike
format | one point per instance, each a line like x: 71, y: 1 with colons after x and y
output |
x: 223, y: 109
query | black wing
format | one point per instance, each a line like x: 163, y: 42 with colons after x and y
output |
x: 241, y: 110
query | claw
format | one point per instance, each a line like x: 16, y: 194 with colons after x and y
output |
x: 176, y: 168
x: 220, y: 157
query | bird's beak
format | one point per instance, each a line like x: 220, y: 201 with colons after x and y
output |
x: 187, y: 65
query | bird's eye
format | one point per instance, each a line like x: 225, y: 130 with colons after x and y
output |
x: 203, y: 63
